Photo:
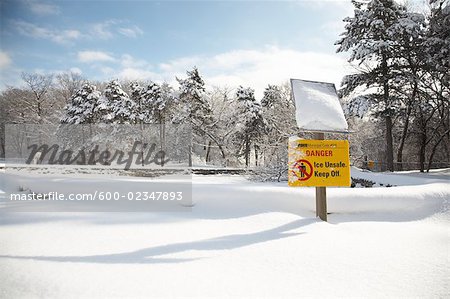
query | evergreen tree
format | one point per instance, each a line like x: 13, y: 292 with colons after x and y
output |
x: 164, y: 103
x: 152, y: 99
x: 195, y: 107
x: 254, y: 125
x: 192, y: 96
x: 136, y: 96
x: 409, y: 71
x: 116, y: 106
x: 403, y: 62
x: 371, y: 36
x: 432, y: 117
x: 438, y: 38
x: 154, y: 103
x: 82, y: 106
x: 272, y: 94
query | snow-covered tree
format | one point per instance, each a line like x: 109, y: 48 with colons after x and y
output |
x: 154, y: 102
x: 409, y: 68
x: 143, y: 113
x: 372, y: 37
x: 279, y: 113
x: 403, y: 66
x: 253, y: 122
x: 437, y: 44
x: 195, y: 107
x: 279, y: 109
x: 158, y: 101
x: 82, y: 106
x: 272, y: 94
x: 115, y: 105
x: 192, y: 96
x: 433, y: 117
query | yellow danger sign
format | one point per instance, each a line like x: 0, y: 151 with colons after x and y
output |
x: 318, y: 163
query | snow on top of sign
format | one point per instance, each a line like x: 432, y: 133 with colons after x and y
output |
x: 317, y: 106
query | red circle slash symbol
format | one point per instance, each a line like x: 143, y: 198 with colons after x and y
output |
x: 302, y: 173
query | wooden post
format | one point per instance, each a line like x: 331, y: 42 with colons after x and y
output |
x: 321, y: 192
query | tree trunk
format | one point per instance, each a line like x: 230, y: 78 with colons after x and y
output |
x: 433, y: 150
x: 3, y: 152
x: 162, y: 137
x: 39, y: 111
x: 422, y: 147
x: 208, y: 151
x: 190, y: 155
x: 422, y: 139
x: 214, y: 139
x: 256, y: 155
x: 247, y: 150
x: 141, y: 129
x: 389, y: 145
x: 403, y: 139
x: 389, y: 142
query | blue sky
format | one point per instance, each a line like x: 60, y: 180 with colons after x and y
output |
x: 252, y: 43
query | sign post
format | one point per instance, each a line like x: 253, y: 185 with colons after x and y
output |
x: 321, y: 192
x: 318, y: 163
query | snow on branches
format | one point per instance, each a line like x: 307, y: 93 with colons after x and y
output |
x: 83, y: 106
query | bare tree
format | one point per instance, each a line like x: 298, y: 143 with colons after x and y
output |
x: 68, y: 84
x: 37, y: 104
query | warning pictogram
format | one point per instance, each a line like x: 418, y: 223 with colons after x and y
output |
x: 303, y: 170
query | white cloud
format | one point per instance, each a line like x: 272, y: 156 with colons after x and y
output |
x: 106, y: 70
x: 35, y: 31
x: 253, y: 68
x: 174, y: 65
x: 5, y: 60
x: 127, y: 67
x: 75, y: 70
x: 334, y: 28
x: 109, y: 28
x: 102, y: 30
x: 129, y: 61
x: 41, y: 8
x: 133, y: 31
x: 257, y: 68
x: 66, y: 36
x: 10, y: 78
x: 94, y: 56
x: 334, y: 11
x: 130, y: 73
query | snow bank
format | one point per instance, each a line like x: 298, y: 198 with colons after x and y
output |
x: 242, y: 239
x: 402, y: 178
x: 317, y: 106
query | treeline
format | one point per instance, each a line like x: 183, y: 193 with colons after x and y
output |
x: 401, y: 83
x: 230, y: 126
x: 396, y: 101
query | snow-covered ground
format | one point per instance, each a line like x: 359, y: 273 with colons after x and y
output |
x: 241, y: 239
